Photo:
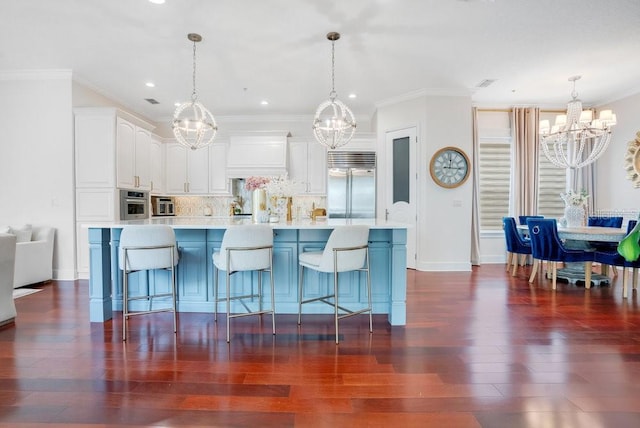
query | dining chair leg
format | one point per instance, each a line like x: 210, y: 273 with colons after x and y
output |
x: 515, y: 264
x: 509, y: 256
x: 634, y: 278
x: 625, y: 283
x: 587, y: 274
x: 534, y: 270
x: 554, y: 274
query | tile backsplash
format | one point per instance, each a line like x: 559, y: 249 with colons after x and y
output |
x: 195, y: 206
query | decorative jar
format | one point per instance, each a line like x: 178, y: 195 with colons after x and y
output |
x: 574, y: 215
x: 259, y: 206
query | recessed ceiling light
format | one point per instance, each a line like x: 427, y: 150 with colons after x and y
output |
x: 150, y: 84
x: 353, y: 96
x: 177, y: 104
x: 157, y: 1
x: 264, y: 102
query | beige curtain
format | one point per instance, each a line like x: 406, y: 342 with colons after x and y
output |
x: 525, y: 123
x: 475, y: 210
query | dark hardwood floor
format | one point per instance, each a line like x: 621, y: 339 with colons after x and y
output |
x: 480, y: 349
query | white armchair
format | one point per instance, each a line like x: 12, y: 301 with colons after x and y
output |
x: 7, y: 257
x: 34, y: 259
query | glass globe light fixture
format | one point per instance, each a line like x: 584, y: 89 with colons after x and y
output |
x: 333, y: 123
x: 193, y: 125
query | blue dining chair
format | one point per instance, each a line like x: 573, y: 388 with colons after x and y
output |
x: 547, y: 246
x: 614, y: 258
x: 605, y: 221
x: 516, y: 245
x: 599, y: 221
x: 523, y: 218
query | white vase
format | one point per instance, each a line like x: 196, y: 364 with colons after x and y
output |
x: 258, y: 205
x: 574, y: 215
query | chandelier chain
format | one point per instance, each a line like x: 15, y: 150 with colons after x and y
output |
x: 194, y: 95
x: 333, y: 94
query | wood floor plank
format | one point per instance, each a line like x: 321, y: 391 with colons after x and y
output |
x: 480, y: 349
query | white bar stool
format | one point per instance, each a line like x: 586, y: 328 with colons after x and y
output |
x: 347, y: 249
x: 245, y: 248
x: 144, y: 248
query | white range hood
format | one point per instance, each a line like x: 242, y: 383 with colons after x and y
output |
x: 257, y: 154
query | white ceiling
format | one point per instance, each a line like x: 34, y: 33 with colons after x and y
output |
x: 277, y: 50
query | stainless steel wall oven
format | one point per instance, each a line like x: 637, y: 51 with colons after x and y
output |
x: 134, y: 205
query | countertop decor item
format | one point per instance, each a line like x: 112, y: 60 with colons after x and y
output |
x: 259, y: 213
x: 193, y: 125
x: 575, y: 208
x: 449, y: 167
x: 333, y: 124
x: 576, y: 139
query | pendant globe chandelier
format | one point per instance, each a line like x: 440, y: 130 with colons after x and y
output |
x: 193, y: 125
x: 333, y: 123
x: 576, y: 139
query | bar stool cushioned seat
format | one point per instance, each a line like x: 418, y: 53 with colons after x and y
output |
x: 144, y: 248
x: 347, y: 249
x: 245, y: 248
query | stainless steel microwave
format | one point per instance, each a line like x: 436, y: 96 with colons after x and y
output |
x: 134, y: 205
x: 162, y: 206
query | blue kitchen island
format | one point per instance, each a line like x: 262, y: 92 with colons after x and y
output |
x: 198, y: 238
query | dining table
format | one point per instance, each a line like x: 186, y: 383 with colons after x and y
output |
x: 583, y: 238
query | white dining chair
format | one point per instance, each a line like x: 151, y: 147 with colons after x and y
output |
x: 145, y: 248
x: 244, y: 248
x: 347, y: 249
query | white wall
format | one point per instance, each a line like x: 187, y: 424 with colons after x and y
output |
x: 36, y: 161
x: 616, y: 194
x: 444, y: 215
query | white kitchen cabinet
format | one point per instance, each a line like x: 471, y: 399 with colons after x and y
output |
x: 95, y: 134
x: 219, y: 184
x: 108, y: 143
x: 157, y: 158
x: 257, y: 153
x: 308, y: 166
x: 187, y: 170
x: 133, y: 145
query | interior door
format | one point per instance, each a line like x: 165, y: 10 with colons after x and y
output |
x: 401, y: 184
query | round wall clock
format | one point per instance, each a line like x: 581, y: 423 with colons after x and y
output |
x: 449, y: 167
x: 632, y: 161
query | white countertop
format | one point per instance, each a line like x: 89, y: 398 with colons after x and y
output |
x: 224, y: 222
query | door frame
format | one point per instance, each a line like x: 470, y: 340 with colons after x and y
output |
x: 412, y: 230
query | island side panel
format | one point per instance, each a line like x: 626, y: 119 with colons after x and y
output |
x: 398, y: 297
x: 100, y: 275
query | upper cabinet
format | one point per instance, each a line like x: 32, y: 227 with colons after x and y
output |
x: 111, y: 149
x: 219, y: 184
x: 308, y: 165
x: 260, y: 153
x: 157, y: 159
x: 187, y: 170
x: 133, y: 145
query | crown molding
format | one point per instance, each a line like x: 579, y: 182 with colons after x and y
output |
x: 62, y: 74
x: 440, y: 92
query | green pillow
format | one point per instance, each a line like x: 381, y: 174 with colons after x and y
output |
x: 629, y: 247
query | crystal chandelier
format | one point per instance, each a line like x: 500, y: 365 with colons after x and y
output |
x: 576, y: 139
x: 194, y: 125
x: 333, y: 124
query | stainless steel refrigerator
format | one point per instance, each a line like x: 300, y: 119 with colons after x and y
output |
x: 351, y: 190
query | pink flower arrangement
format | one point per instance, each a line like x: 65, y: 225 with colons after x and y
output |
x: 253, y: 183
